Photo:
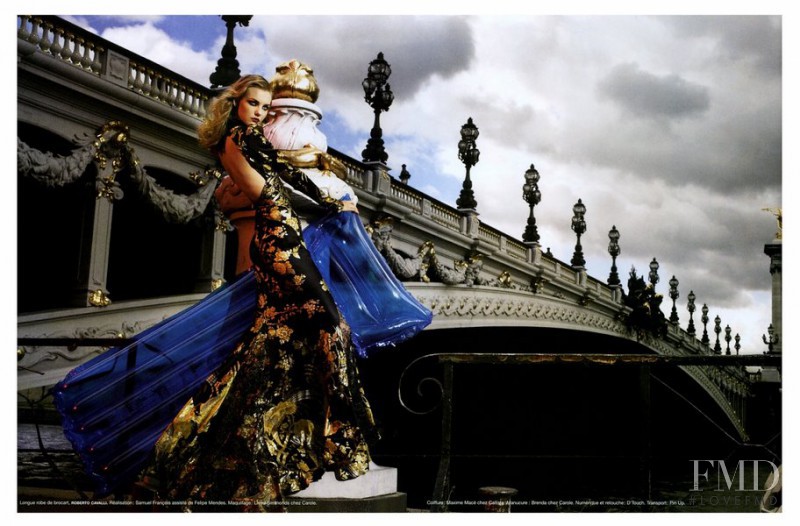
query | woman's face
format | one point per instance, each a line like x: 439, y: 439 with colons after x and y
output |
x: 254, y: 105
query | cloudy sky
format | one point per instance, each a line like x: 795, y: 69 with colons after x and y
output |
x: 669, y: 127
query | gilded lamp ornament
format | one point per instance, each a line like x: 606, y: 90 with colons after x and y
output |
x: 579, y: 227
x: 674, y: 295
x: 653, y: 275
x: 728, y: 340
x: 614, y: 251
x: 378, y: 94
x: 690, y: 307
x: 717, y: 330
x: 469, y: 154
x: 532, y: 196
x: 772, y: 340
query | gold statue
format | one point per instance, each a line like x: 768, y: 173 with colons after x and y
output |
x: 778, y: 213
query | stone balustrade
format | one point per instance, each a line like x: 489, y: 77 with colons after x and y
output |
x: 74, y: 45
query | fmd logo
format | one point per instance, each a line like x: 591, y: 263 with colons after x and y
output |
x: 727, y: 479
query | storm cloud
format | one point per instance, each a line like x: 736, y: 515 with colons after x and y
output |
x: 416, y: 47
x: 647, y: 95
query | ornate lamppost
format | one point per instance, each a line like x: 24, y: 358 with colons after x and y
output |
x: 379, y: 96
x: 653, y: 273
x: 737, y: 345
x: 468, y: 154
x: 227, y: 71
x: 532, y: 196
x: 674, y: 295
x: 614, y: 251
x: 579, y: 227
x: 773, y: 338
x: 691, y: 297
x: 728, y: 340
x: 704, y: 319
x: 717, y: 330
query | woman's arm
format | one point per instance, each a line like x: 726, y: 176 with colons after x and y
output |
x: 252, y: 183
x: 245, y: 176
x: 303, y: 183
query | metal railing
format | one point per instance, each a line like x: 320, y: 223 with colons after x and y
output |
x: 448, y: 361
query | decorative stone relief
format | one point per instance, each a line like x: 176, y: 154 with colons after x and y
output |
x: 404, y: 266
x: 112, y: 154
x: 31, y: 356
x: 117, y: 67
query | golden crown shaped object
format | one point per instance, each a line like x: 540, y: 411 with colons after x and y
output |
x: 294, y: 80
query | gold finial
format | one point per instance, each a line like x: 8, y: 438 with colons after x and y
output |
x: 778, y: 213
x: 294, y: 80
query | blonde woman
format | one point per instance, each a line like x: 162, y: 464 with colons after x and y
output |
x: 278, y: 409
x: 284, y: 407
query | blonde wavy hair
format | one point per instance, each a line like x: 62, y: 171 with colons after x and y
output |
x: 213, y: 128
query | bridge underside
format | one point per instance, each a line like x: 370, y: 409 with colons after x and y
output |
x: 550, y: 430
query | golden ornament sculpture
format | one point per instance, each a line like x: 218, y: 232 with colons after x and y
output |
x: 294, y: 80
x: 778, y: 213
x: 98, y: 298
x: 197, y: 179
x: 312, y: 157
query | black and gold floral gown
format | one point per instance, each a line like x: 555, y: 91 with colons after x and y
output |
x: 287, y: 405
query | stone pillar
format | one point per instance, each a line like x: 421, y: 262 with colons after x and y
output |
x: 212, y: 265
x: 472, y: 223
x: 93, y: 274
x: 535, y: 254
x: 381, y: 182
x: 427, y: 208
x: 774, y: 251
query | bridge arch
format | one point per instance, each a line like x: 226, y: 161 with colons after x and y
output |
x: 589, y: 328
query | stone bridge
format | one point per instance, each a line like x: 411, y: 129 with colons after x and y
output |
x: 136, y: 151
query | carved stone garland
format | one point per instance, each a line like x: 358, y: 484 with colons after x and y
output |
x: 110, y: 144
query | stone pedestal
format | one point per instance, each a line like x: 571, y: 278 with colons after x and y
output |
x: 379, y: 480
x: 375, y: 491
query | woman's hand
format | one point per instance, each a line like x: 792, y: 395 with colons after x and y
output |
x: 329, y: 163
x: 349, y: 206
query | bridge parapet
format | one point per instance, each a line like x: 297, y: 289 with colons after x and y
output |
x: 72, y: 45
x: 488, y: 278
